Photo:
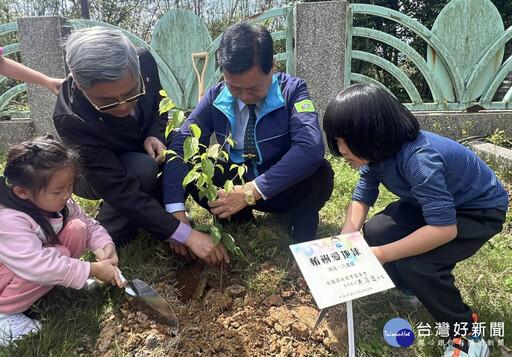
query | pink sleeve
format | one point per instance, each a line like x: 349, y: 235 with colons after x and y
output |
x: 1, y: 50
x: 23, y: 252
x: 98, y: 236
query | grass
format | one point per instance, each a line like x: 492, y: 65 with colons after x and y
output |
x: 71, y: 319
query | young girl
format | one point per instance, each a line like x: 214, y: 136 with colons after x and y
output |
x: 15, y: 70
x: 43, y: 233
x: 450, y: 203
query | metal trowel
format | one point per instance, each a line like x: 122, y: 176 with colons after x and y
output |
x: 145, y: 298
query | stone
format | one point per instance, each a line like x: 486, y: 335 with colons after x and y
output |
x: 152, y: 341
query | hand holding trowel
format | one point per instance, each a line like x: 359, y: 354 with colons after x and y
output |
x: 145, y: 298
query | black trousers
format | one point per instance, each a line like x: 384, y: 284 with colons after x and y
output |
x: 302, y: 201
x: 429, y: 274
x: 139, y: 165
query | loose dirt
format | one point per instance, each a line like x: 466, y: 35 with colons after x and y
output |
x: 234, y: 322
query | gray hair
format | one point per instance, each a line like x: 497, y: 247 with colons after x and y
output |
x: 100, y: 54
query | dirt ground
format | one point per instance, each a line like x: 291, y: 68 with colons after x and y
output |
x: 232, y: 323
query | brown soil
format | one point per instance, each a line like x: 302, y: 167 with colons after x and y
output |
x: 234, y: 322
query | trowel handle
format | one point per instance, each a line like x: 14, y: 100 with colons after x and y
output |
x: 124, y: 282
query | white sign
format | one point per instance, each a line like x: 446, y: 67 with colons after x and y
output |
x: 340, y: 268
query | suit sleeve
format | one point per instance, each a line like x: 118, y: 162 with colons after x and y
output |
x: 114, y: 184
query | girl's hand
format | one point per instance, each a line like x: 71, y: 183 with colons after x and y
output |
x: 105, y: 270
x: 107, y: 252
x: 99, y: 254
x: 54, y: 84
x: 378, y: 253
x: 110, y: 253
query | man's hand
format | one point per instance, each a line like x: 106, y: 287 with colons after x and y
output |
x: 227, y: 205
x: 201, y: 245
x: 154, y: 148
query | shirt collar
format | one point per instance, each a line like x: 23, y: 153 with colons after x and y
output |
x: 240, y: 105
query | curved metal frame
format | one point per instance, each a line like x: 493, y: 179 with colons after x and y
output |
x: 11, y: 93
x: 412, y: 55
x: 461, y: 88
x: 6, y: 97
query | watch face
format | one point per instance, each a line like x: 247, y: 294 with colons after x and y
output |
x: 249, y: 198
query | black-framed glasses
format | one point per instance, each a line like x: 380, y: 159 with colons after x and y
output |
x: 113, y: 105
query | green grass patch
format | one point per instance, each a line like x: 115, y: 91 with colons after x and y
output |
x: 71, y: 318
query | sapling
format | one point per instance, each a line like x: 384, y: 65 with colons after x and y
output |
x: 203, y: 160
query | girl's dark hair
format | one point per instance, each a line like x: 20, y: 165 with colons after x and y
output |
x: 31, y: 165
x: 373, y: 123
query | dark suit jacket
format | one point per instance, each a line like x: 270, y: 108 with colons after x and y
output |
x: 101, y: 138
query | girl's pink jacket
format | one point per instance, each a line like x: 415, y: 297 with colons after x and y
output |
x: 24, y: 248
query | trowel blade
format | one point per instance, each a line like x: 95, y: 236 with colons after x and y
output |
x: 147, y: 299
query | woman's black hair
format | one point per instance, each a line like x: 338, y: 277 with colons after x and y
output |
x: 373, y: 124
x: 31, y: 165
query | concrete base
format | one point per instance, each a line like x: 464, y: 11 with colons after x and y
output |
x: 14, y: 132
x: 497, y: 157
x: 459, y: 126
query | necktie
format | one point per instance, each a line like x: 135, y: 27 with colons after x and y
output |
x: 250, y: 152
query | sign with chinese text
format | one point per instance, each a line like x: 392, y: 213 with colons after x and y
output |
x: 340, y: 268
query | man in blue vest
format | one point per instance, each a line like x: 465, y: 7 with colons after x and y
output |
x: 274, y: 125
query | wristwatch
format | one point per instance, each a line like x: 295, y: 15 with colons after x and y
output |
x: 249, y: 195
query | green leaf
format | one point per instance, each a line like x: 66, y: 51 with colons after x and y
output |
x: 170, y: 152
x: 177, y: 118
x: 190, y: 147
x: 211, y: 193
x: 202, y: 180
x: 162, y: 93
x: 233, y: 166
x: 241, y: 171
x: 215, y: 234
x: 220, y: 167
x: 208, y: 167
x: 191, y: 176
x: 172, y: 158
x: 165, y: 105
x: 195, y: 131
x: 230, y: 142
x: 205, y: 228
x: 213, y: 151
x: 168, y: 130
x: 228, y: 186
x: 229, y: 242
x: 225, y: 154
